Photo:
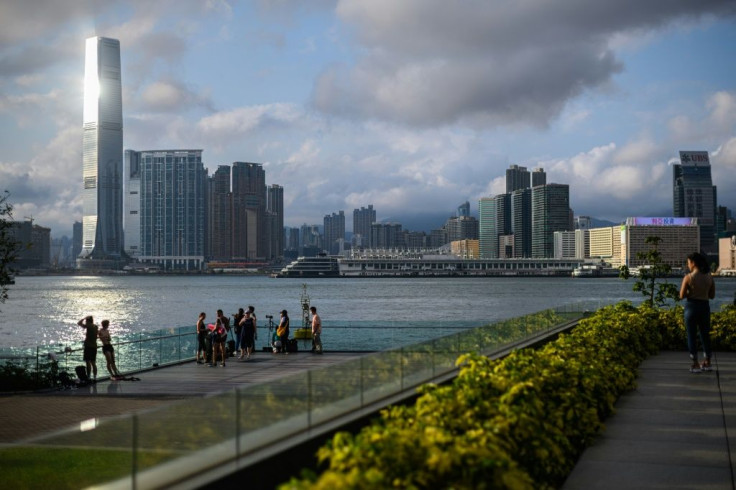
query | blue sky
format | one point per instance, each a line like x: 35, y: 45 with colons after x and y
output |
x: 412, y: 106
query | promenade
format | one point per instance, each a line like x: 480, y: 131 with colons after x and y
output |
x: 677, y: 430
x: 674, y: 431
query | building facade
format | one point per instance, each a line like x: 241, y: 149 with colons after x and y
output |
x: 132, y: 203
x: 550, y: 213
x: 363, y: 218
x: 495, y: 221
x: 539, y: 177
x: 465, y: 249
x: 102, y: 155
x: 521, y: 222
x: 679, y: 237
x: 564, y: 245
x: 275, y: 206
x: 727, y: 256
x: 334, y: 232
x: 694, y: 195
x: 172, y: 216
x: 516, y: 178
x: 249, y: 203
x: 605, y: 244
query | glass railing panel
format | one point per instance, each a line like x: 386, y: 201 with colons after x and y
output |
x: 103, y: 447
x: 272, y: 411
x: 334, y: 391
x: 381, y: 375
x: 417, y: 362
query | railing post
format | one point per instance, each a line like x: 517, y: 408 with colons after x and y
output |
x: 309, y: 399
x: 237, y: 423
x: 38, y: 366
x: 134, y: 455
x: 361, y: 381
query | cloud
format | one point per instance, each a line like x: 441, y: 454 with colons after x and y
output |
x: 171, y: 96
x: 429, y: 63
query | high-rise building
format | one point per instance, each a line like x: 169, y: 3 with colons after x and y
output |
x: 694, y: 195
x: 495, y: 222
x: 539, y: 177
x: 564, y: 245
x: 463, y: 210
x: 172, y: 209
x: 249, y: 198
x: 218, y: 242
x: 550, y: 213
x: 275, y: 207
x: 334, y: 230
x: 521, y: 222
x: 132, y: 203
x: 363, y: 218
x: 387, y: 236
x: 678, y: 237
x: 461, y: 228
x: 76, y: 240
x: 583, y: 223
x: 516, y: 178
x: 102, y: 155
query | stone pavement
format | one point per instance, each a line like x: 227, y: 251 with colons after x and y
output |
x: 26, y: 416
x: 677, y: 430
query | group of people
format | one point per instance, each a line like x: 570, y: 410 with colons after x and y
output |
x: 212, y: 339
x: 92, y: 333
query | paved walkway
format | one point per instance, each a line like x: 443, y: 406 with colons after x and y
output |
x: 676, y: 431
x: 32, y: 415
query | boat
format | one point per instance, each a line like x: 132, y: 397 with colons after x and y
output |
x: 322, y: 265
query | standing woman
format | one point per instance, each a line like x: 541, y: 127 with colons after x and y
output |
x: 201, y: 339
x: 108, y: 351
x: 698, y: 288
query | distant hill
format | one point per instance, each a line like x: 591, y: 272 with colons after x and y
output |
x: 602, y: 223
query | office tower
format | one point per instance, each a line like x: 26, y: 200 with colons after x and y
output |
x: 172, y: 209
x: 275, y: 206
x: 463, y: 210
x: 415, y: 240
x: 694, y: 195
x: 132, y: 203
x: 363, y: 218
x: 461, y: 228
x: 495, y: 222
x: 516, y: 178
x: 582, y: 243
x: 521, y: 222
x: 437, y: 238
x: 311, y: 240
x: 550, y: 213
x: 334, y: 227
x: 102, y: 155
x: 76, y: 239
x: 292, y: 238
x: 539, y: 177
x: 219, y: 219
x: 249, y: 208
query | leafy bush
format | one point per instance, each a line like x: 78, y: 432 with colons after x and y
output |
x: 518, y: 422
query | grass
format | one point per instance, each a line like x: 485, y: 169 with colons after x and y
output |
x: 64, y: 468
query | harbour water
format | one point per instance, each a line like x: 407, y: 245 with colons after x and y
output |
x: 44, y: 310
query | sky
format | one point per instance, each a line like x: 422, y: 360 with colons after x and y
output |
x: 414, y: 106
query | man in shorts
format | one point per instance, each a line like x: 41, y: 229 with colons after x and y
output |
x: 316, y: 331
x: 90, y: 346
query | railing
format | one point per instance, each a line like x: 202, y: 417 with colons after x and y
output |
x: 220, y: 432
x: 146, y: 350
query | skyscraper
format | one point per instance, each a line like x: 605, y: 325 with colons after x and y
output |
x: 102, y: 157
x: 694, y: 195
x: 463, y: 210
x: 275, y: 208
x: 363, y: 218
x: 550, y: 213
x: 521, y: 222
x: 539, y: 177
x: 516, y: 178
x: 334, y: 226
x: 218, y: 242
x: 172, y: 208
x: 495, y: 221
x: 249, y: 211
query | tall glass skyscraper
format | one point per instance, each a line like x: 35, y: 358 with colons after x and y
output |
x: 550, y: 213
x: 694, y: 195
x: 102, y: 157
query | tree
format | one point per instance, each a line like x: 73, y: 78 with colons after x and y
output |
x: 8, y: 246
x: 656, y: 292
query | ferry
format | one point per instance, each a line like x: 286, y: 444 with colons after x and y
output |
x: 595, y: 270
x: 319, y: 266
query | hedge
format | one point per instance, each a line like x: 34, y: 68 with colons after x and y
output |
x: 519, y: 422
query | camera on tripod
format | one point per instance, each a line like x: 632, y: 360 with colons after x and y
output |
x: 270, y: 317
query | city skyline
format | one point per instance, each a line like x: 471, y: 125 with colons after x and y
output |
x: 412, y: 109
